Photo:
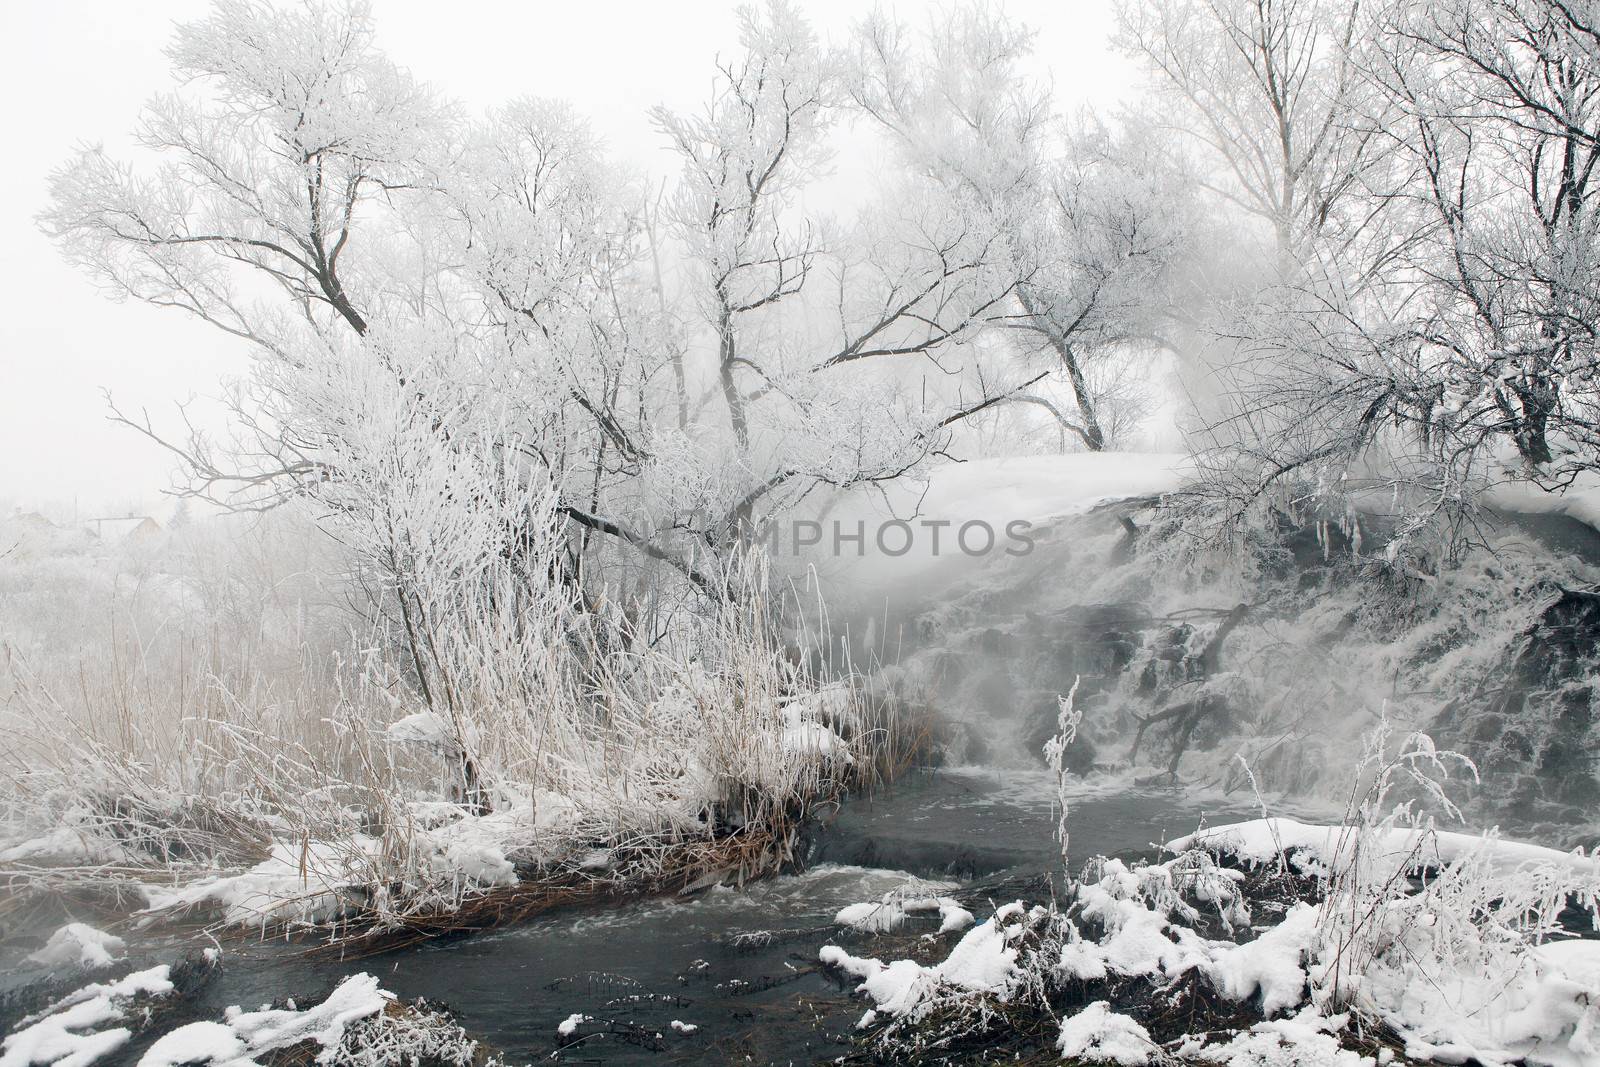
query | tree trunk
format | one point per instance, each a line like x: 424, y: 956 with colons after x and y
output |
x: 730, y: 388
x: 1093, y: 436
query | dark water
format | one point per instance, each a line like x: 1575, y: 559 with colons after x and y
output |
x: 635, y: 968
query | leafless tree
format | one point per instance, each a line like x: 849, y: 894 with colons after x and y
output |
x: 1086, y: 230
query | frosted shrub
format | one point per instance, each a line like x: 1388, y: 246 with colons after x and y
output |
x: 1367, y: 876
x: 1442, y: 935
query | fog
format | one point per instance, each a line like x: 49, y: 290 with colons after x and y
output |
x: 786, y: 534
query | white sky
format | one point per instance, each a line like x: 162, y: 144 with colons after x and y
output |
x: 79, y: 71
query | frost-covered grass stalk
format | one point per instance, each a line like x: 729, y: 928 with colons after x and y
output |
x: 1067, y: 721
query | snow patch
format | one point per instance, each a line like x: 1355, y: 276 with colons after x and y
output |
x: 1100, y: 1035
x: 984, y: 961
x: 68, y: 1034
x: 300, y: 883
x: 80, y: 945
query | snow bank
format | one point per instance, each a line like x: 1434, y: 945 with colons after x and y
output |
x: 311, y: 882
x: 1580, y: 501
x: 300, y: 883
x: 1538, y: 1007
x: 73, y: 843
x: 1454, y: 983
x: 1455, y: 980
x: 1039, y: 488
x: 80, y: 945
x: 246, y: 1035
x: 1259, y: 841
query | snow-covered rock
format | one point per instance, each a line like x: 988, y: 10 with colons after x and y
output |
x: 984, y: 961
x: 896, y: 907
x: 80, y: 945
x: 74, y: 1031
x: 1273, y: 965
x: 1099, y: 1035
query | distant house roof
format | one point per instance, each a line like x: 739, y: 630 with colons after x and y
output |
x: 128, y: 527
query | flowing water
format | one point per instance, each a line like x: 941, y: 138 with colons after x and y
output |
x: 738, y: 964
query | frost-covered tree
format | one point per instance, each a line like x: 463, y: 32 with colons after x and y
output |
x: 1502, y: 115
x: 448, y: 348
x: 1274, y: 94
x: 464, y: 370
x: 1469, y: 356
x: 1085, y: 223
x: 817, y: 329
x: 470, y: 265
x: 499, y: 280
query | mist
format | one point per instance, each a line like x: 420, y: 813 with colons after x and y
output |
x: 791, y: 534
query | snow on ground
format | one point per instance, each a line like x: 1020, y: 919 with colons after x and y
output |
x: 309, y: 882
x: 1038, y: 488
x: 1303, y: 1040
x: 1257, y: 841
x: 1580, y: 500
x: 73, y: 1032
x: 1100, y: 1035
x: 302, y: 882
x: 80, y: 945
x: 76, y: 842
